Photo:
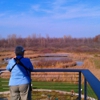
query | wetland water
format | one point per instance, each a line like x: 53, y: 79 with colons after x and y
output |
x: 56, y: 57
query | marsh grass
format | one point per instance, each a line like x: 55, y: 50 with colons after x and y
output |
x: 96, y: 61
x: 54, y: 63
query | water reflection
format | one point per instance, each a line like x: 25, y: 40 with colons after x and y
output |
x: 79, y: 63
x: 55, y: 58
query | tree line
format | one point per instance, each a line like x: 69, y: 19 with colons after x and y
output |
x: 48, y: 44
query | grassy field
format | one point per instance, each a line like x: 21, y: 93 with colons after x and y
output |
x: 56, y: 86
x: 61, y: 86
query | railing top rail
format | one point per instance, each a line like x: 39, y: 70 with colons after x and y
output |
x: 53, y: 70
x: 93, y: 81
x: 58, y: 70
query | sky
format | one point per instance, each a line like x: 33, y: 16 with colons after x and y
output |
x: 53, y: 18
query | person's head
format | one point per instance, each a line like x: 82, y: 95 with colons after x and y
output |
x: 19, y: 51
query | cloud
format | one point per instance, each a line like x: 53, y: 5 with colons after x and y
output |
x: 39, y: 9
x: 76, y: 10
x: 57, y: 12
x: 2, y: 14
x: 35, y: 7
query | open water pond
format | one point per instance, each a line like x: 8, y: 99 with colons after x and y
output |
x: 56, y: 57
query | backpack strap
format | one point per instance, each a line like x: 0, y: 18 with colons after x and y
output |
x: 20, y: 63
x: 15, y: 63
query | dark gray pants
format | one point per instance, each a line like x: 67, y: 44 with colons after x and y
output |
x: 20, y: 92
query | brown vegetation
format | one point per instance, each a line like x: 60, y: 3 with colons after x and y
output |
x: 44, y: 45
x: 85, y: 49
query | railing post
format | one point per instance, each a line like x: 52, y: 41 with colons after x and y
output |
x: 85, y: 89
x: 79, y: 85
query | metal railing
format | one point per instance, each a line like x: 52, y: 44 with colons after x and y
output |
x: 89, y: 81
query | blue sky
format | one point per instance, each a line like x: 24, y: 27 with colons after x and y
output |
x: 55, y: 18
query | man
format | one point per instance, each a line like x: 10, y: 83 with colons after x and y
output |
x: 20, y: 79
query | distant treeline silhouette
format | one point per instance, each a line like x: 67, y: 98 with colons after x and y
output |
x: 48, y: 44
